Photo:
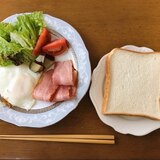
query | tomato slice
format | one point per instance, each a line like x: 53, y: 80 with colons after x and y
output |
x: 56, y: 47
x: 43, y: 39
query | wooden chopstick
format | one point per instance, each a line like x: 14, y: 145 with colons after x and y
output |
x: 74, y: 136
x: 93, y: 139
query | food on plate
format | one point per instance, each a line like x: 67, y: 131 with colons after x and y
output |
x: 44, y: 38
x: 4, y: 101
x: 18, y: 39
x: 36, y: 66
x: 57, y: 84
x: 28, y: 69
x: 27, y: 38
x: 17, y: 84
x: 48, y: 61
x: 56, y: 47
x: 132, y: 84
x: 45, y: 89
x: 64, y: 73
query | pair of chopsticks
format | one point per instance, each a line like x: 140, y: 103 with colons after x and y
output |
x: 93, y: 139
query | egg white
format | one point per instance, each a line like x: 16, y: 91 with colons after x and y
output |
x: 17, y: 84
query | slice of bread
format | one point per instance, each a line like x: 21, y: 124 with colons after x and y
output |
x: 132, y: 84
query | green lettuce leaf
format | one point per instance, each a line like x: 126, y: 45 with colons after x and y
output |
x: 19, y: 39
x: 5, y: 29
x: 8, y: 51
x: 12, y: 53
x: 37, y: 18
x: 29, y: 27
x: 7, y: 48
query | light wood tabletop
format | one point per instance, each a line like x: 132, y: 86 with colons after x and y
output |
x: 103, y: 25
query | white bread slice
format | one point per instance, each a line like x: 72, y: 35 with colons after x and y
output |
x: 132, y: 84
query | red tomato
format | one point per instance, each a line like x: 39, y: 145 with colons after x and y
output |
x: 56, y: 47
x: 43, y: 39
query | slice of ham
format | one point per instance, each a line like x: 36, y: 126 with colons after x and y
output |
x: 63, y: 93
x: 66, y: 92
x: 45, y: 89
x: 58, y: 84
x: 63, y: 73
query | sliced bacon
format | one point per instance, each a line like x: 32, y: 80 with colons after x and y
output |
x: 45, y: 89
x: 58, y: 84
x: 63, y: 73
x: 66, y: 92
x: 63, y: 93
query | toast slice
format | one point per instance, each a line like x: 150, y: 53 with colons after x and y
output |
x: 132, y: 84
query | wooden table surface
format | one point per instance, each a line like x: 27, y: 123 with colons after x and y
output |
x: 103, y: 25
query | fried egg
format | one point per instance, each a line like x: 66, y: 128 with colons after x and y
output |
x: 17, y: 84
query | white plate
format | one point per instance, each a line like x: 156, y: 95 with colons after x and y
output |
x: 82, y: 64
x: 137, y: 126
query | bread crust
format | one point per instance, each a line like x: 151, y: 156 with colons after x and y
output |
x: 107, y: 83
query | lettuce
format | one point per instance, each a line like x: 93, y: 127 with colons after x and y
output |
x: 19, y: 39
x: 38, y: 21
x: 12, y: 53
x: 8, y: 51
x: 5, y: 29
x: 7, y: 48
x: 29, y: 27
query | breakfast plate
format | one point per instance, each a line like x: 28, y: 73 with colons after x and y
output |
x: 137, y: 126
x: 44, y: 114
